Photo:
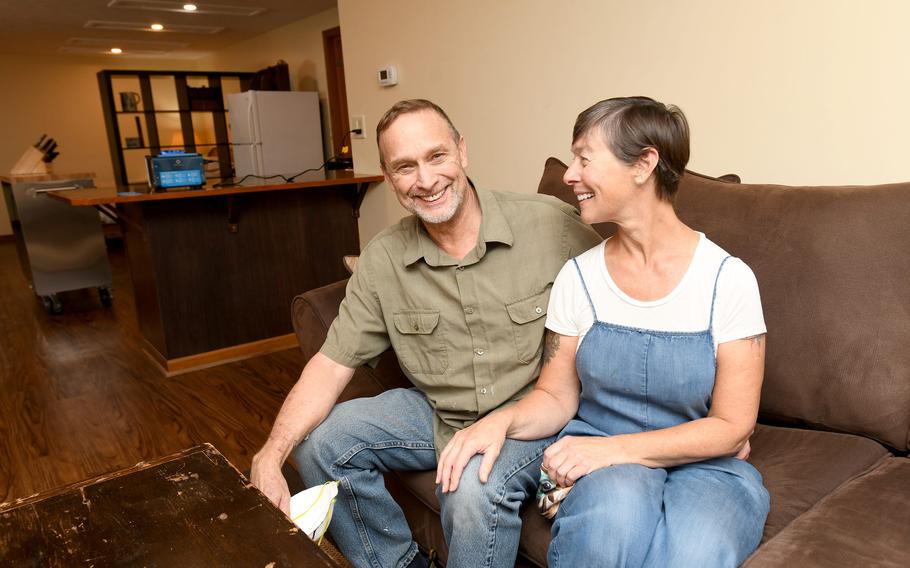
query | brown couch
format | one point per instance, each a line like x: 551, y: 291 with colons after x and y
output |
x: 833, y: 266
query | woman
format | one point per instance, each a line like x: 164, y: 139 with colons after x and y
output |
x: 653, y: 366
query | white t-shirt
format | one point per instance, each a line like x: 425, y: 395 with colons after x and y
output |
x: 737, y: 310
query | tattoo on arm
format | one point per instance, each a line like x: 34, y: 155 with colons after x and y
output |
x: 756, y: 339
x: 550, y: 346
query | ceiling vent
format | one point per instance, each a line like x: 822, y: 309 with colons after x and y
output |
x: 125, y: 44
x: 162, y: 6
x: 144, y: 27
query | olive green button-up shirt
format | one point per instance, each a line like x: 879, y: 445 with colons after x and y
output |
x: 467, y: 333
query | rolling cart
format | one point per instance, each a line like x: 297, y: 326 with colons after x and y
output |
x: 60, y: 247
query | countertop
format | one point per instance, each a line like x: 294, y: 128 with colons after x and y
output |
x: 114, y: 194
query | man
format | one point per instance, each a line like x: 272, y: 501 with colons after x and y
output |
x: 459, y: 290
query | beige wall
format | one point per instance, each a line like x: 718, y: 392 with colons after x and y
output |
x: 300, y: 45
x: 807, y: 92
x: 58, y: 96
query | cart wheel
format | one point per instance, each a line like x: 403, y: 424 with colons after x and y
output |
x: 106, y: 296
x: 52, y: 304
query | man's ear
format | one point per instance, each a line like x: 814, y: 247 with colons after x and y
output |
x: 463, y: 152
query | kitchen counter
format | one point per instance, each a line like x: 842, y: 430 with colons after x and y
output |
x: 214, y: 270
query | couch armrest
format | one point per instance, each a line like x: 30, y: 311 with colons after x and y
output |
x: 312, y: 313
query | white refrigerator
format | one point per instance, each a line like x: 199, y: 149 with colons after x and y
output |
x: 275, y: 132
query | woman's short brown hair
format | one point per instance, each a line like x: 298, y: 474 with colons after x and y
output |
x: 630, y: 125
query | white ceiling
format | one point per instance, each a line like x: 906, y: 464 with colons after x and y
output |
x: 50, y: 27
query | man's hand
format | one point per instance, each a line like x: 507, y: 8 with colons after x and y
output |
x: 573, y: 457
x: 486, y: 436
x: 267, y: 476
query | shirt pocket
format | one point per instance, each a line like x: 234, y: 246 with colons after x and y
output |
x: 421, y: 347
x: 528, y: 321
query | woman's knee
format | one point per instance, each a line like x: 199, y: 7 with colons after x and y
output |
x: 621, y: 491
x: 715, y: 515
x: 610, y: 515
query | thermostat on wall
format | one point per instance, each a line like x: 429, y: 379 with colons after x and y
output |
x: 388, y: 76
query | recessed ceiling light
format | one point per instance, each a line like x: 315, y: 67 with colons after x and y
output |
x: 156, y: 27
x: 116, y: 50
x: 189, y: 7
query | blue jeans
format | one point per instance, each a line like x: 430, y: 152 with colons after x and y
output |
x: 363, y: 438
x: 707, y: 514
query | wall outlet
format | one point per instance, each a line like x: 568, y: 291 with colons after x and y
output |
x: 358, y: 121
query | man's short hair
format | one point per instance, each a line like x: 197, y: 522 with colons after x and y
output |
x: 408, y: 106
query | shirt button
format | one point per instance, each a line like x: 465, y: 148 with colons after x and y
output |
x: 538, y: 309
x: 483, y: 390
x: 469, y: 310
x: 479, y: 352
x: 459, y: 268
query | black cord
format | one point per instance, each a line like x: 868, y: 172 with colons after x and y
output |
x: 325, y: 163
x: 290, y: 179
x: 244, y: 178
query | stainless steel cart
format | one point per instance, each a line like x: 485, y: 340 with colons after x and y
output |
x: 60, y: 247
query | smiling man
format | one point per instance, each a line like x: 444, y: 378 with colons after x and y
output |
x: 459, y: 291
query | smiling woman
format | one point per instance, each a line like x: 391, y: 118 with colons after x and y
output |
x: 661, y: 414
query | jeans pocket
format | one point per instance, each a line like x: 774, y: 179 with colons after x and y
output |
x: 420, y: 344
x: 528, y: 321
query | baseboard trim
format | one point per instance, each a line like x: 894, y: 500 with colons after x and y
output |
x: 181, y: 365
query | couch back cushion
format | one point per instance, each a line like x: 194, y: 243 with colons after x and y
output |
x: 833, y: 268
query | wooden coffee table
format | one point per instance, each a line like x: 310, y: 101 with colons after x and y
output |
x: 192, y: 508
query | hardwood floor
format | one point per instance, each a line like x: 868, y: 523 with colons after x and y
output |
x: 79, y: 398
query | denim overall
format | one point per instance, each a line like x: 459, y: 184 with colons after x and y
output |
x: 708, y: 513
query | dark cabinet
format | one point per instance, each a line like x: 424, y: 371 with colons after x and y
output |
x: 146, y: 112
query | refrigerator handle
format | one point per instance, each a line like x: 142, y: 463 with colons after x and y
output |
x: 258, y: 166
x: 253, y: 134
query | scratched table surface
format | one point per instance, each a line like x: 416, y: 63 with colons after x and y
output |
x: 192, y: 508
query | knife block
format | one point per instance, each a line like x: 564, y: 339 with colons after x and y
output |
x: 32, y: 162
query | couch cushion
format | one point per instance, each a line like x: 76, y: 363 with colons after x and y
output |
x: 866, y: 522
x: 800, y: 467
x: 834, y: 275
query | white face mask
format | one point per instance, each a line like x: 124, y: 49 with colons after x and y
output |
x: 311, y: 509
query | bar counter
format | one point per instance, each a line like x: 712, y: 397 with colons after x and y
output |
x: 214, y: 270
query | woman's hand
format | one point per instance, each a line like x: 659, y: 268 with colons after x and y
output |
x: 573, y: 457
x: 743, y: 453
x: 486, y: 436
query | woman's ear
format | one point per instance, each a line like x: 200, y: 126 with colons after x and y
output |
x: 646, y: 164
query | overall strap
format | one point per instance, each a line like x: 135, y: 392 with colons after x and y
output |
x: 714, y: 295
x: 585, y: 288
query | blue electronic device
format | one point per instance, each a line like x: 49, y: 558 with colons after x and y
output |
x: 175, y: 168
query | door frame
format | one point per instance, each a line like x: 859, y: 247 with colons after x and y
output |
x: 338, y: 100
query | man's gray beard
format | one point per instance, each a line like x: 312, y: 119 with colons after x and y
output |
x: 443, y: 216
